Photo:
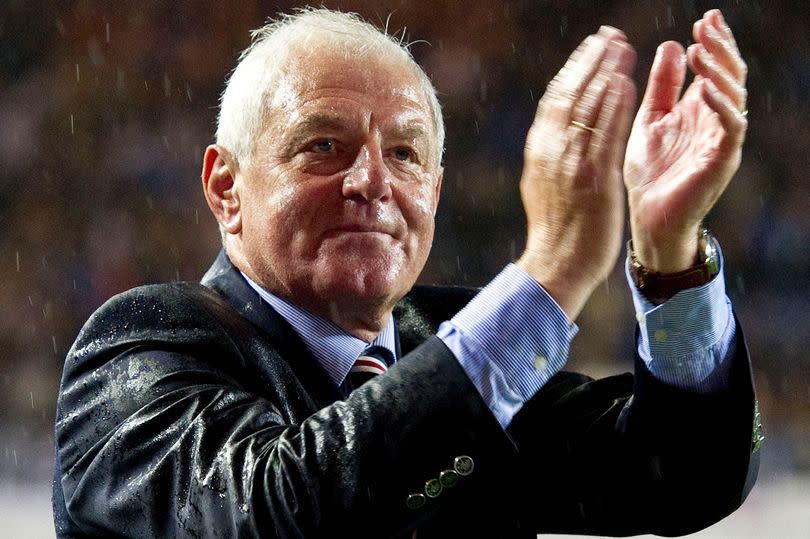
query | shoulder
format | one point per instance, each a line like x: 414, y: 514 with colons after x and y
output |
x: 440, y: 303
x: 178, y: 313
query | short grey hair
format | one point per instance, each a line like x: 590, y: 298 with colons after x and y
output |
x: 252, y: 81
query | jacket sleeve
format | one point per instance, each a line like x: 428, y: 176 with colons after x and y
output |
x: 166, y: 429
x: 627, y: 455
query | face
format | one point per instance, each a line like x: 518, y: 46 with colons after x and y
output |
x: 338, y: 201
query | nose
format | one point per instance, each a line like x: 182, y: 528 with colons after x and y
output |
x: 368, y: 179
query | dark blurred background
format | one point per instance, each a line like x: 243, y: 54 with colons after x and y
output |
x: 106, y: 108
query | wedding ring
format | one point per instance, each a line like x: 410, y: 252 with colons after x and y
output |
x: 744, y: 113
x: 583, y: 126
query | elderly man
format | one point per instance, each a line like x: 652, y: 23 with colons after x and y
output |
x: 234, y: 407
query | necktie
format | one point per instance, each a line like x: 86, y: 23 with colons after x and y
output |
x: 372, y: 361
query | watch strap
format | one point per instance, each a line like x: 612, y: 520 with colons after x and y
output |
x: 659, y: 287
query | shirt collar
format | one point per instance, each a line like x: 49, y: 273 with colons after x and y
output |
x: 334, y: 348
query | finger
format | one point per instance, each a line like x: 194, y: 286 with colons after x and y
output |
x: 723, y: 49
x: 666, y: 79
x: 704, y: 64
x: 619, y: 58
x: 732, y: 120
x: 613, y: 125
x: 715, y: 17
x: 568, y: 85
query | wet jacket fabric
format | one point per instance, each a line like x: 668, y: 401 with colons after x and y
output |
x: 194, y: 410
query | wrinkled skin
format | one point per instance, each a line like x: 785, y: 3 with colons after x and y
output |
x: 682, y: 153
x: 336, y: 207
x: 572, y: 182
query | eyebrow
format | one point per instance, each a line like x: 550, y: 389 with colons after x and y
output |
x: 318, y: 122
x: 411, y: 130
x: 310, y: 124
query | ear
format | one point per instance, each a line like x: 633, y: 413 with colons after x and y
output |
x: 438, y: 190
x: 219, y: 186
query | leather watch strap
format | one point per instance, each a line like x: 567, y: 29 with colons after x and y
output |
x: 659, y: 287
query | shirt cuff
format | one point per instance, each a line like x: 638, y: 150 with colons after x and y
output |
x: 510, y: 339
x: 686, y: 340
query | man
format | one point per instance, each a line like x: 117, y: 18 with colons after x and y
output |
x: 230, y: 409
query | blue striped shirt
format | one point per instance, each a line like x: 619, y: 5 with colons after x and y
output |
x: 512, y: 337
x: 328, y: 343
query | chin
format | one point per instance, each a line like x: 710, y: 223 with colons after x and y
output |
x: 368, y: 281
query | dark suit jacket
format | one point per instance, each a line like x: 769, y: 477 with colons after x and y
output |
x: 194, y: 410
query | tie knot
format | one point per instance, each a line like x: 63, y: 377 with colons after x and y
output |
x: 373, y: 360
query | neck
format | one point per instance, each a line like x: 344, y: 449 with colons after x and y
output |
x: 361, y: 319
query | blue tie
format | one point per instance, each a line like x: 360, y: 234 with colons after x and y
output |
x: 372, y: 361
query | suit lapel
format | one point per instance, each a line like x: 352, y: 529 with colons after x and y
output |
x: 416, y: 316
x: 224, y: 278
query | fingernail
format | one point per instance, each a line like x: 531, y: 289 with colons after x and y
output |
x: 612, y: 31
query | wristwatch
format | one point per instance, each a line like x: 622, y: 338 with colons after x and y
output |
x: 659, y: 287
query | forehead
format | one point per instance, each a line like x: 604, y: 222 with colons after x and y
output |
x: 319, y: 79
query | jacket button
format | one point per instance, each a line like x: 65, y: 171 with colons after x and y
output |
x: 433, y: 488
x: 415, y: 501
x: 463, y: 465
x: 448, y: 478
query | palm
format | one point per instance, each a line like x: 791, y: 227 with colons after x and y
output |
x: 678, y: 162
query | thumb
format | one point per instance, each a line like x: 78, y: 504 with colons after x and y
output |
x: 666, y: 79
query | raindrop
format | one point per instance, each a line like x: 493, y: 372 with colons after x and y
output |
x: 740, y: 284
x: 108, y: 32
x: 18, y: 263
x: 32, y: 399
x: 72, y: 128
x: 167, y: 86
x: 670, y: 17
x: 53, y: 341
x: 78, y: 77
x: 196, y: 216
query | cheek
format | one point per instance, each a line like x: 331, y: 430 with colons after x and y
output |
x: 417, y: 207
x: 271, y: 215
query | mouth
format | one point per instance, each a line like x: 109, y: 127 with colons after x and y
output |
x: 358, y: 229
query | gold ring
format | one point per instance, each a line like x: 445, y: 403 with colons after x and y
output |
x: 744, y: 113
x: 583, y: 126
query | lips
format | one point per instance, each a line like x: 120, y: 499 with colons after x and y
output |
x: 358, y: 228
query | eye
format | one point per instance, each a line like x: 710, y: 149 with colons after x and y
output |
x: 403, y: 154
x: 324, y: 145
